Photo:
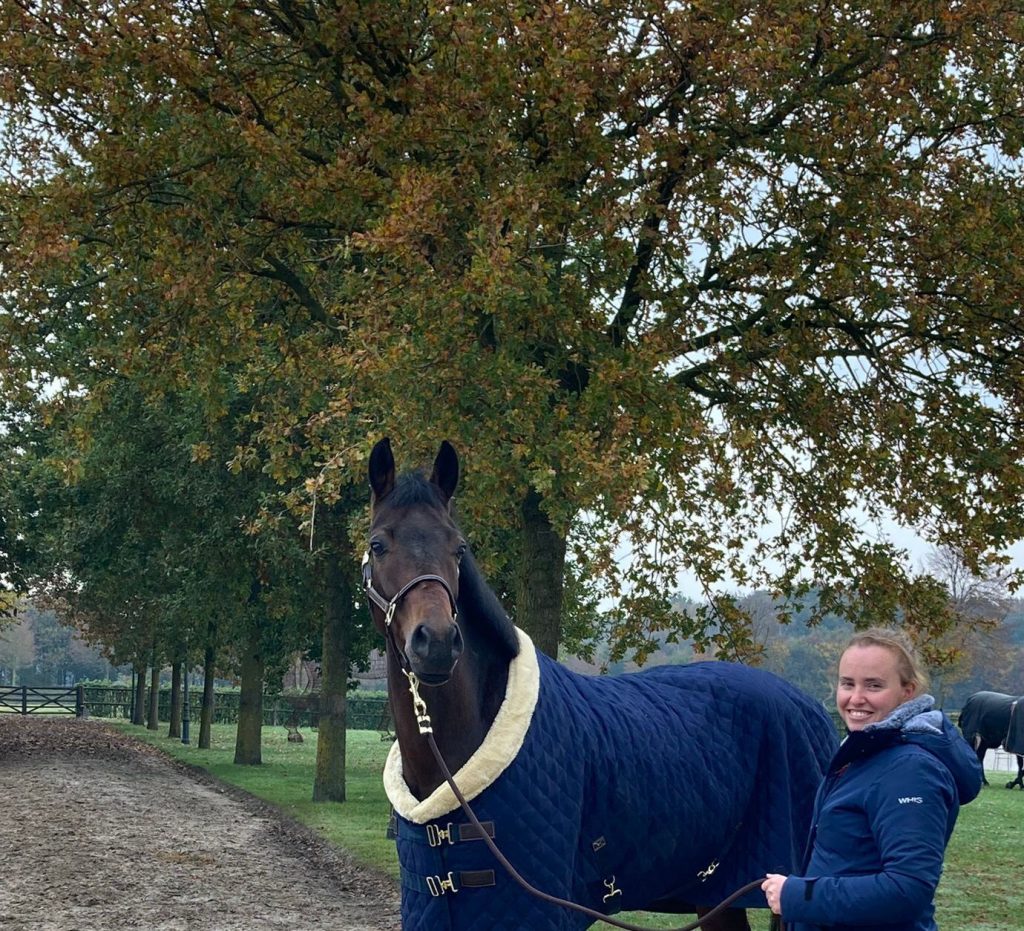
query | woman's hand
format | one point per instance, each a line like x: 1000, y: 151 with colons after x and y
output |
x: 772, y: 889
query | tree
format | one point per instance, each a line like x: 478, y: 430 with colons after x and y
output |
x: 977, y: 651
x: 13, y: 554
x: 144, y: 537
x: 52, y: 647
x: 17, y: 650
x: 663, y: 272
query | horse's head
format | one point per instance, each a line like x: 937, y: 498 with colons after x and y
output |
x: 411, y: 568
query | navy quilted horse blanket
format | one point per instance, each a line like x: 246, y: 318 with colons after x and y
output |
x: 664, y: 789
x: 998, y: 719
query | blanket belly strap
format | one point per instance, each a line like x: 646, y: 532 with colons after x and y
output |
x: 437, y: 834
x: 602, y: 886
x: 453, y: 882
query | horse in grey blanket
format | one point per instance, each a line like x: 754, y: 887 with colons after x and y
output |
x: 990, y: 720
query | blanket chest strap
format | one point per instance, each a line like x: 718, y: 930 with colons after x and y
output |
x: 442, y: 884
x: 437, y: 835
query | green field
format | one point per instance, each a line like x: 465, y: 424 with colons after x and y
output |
x: 982, y: 888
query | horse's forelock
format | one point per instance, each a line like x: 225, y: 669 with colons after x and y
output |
x: 477, y: 602
x: 412, y: 488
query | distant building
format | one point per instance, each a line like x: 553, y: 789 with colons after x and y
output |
x: 303, y: 674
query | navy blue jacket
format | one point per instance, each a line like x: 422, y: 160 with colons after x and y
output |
x: 882, y: 818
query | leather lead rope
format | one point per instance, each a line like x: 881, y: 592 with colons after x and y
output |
x: 427, y: 731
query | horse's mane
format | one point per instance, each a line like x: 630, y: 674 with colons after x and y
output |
x: 476, y: 598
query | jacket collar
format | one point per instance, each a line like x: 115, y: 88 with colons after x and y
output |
x: 913, y: 716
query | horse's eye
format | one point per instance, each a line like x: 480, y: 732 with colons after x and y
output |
x: 461, y: 551
x: 377, y: 548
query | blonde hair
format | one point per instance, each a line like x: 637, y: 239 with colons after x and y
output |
x: 896, y: 641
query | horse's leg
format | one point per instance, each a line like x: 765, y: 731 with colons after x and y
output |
x: 1019, y: 781
x: 732, y: 919
x: 981, y: 748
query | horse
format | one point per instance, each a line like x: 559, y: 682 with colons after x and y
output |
x: 663, y: 790
x: 990, y: 720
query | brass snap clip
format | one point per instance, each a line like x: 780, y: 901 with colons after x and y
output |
x: 437, y: 836
x: 439, y: 886
x: 705, y: 874
x: 419, y: 706
x: 609, y: 884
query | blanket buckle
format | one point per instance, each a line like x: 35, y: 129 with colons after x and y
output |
x: 705, y: 874
x: 438, y: 886
x: 437, y: 835
x: 609, y: 884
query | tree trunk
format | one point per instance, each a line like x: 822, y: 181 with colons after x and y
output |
x: 175, y: 727
x: 206, y: 717
x: 154, y: 697
x: 329, y: 784
x: 139, y: 708
x: 540, y: 583
x: 248, y: 737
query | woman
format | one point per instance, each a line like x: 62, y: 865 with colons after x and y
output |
x: 888, y: 803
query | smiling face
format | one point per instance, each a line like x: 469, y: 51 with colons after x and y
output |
x: 869, y: 687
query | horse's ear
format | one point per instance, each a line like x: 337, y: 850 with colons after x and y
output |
x: 382, y: 469
x: 446, y: 470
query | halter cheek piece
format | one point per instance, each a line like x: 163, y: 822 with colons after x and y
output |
x: 388, y: 607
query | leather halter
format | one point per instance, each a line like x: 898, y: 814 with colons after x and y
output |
x: 389, y: 606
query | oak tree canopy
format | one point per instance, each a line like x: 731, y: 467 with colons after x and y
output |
x: 704, y: 286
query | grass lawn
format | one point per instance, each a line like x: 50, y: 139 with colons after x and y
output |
x: 982, y: 888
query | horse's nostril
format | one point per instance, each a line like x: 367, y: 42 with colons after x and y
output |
x: 419, y: 642
x: 457, y: 642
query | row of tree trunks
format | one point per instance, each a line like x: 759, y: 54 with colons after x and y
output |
x: 145, y: 706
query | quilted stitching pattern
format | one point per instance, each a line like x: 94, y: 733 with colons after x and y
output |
x: 674, y: 768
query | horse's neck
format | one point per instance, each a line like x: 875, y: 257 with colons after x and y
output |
x: 461, y: 713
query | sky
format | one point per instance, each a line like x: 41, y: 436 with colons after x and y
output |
x: 917, y: 549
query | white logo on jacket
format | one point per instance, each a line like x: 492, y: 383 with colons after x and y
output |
x: 915, y: 799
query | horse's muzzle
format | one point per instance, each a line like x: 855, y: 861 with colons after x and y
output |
x: 432, y: 653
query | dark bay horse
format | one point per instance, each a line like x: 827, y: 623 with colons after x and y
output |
x: 664, y: 790
x: 990, y: 720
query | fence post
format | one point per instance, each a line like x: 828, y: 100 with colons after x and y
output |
x: 80, y: 710
x: 24, y: 699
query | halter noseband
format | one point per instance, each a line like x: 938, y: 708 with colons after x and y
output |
x: 388, y: 607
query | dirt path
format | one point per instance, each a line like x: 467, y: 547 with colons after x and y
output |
x: 98, y: 832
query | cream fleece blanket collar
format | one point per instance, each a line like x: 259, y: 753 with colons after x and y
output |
x: 492, y: 757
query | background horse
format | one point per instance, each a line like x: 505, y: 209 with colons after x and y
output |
x: 664, y: 790
x: 992, y: 719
